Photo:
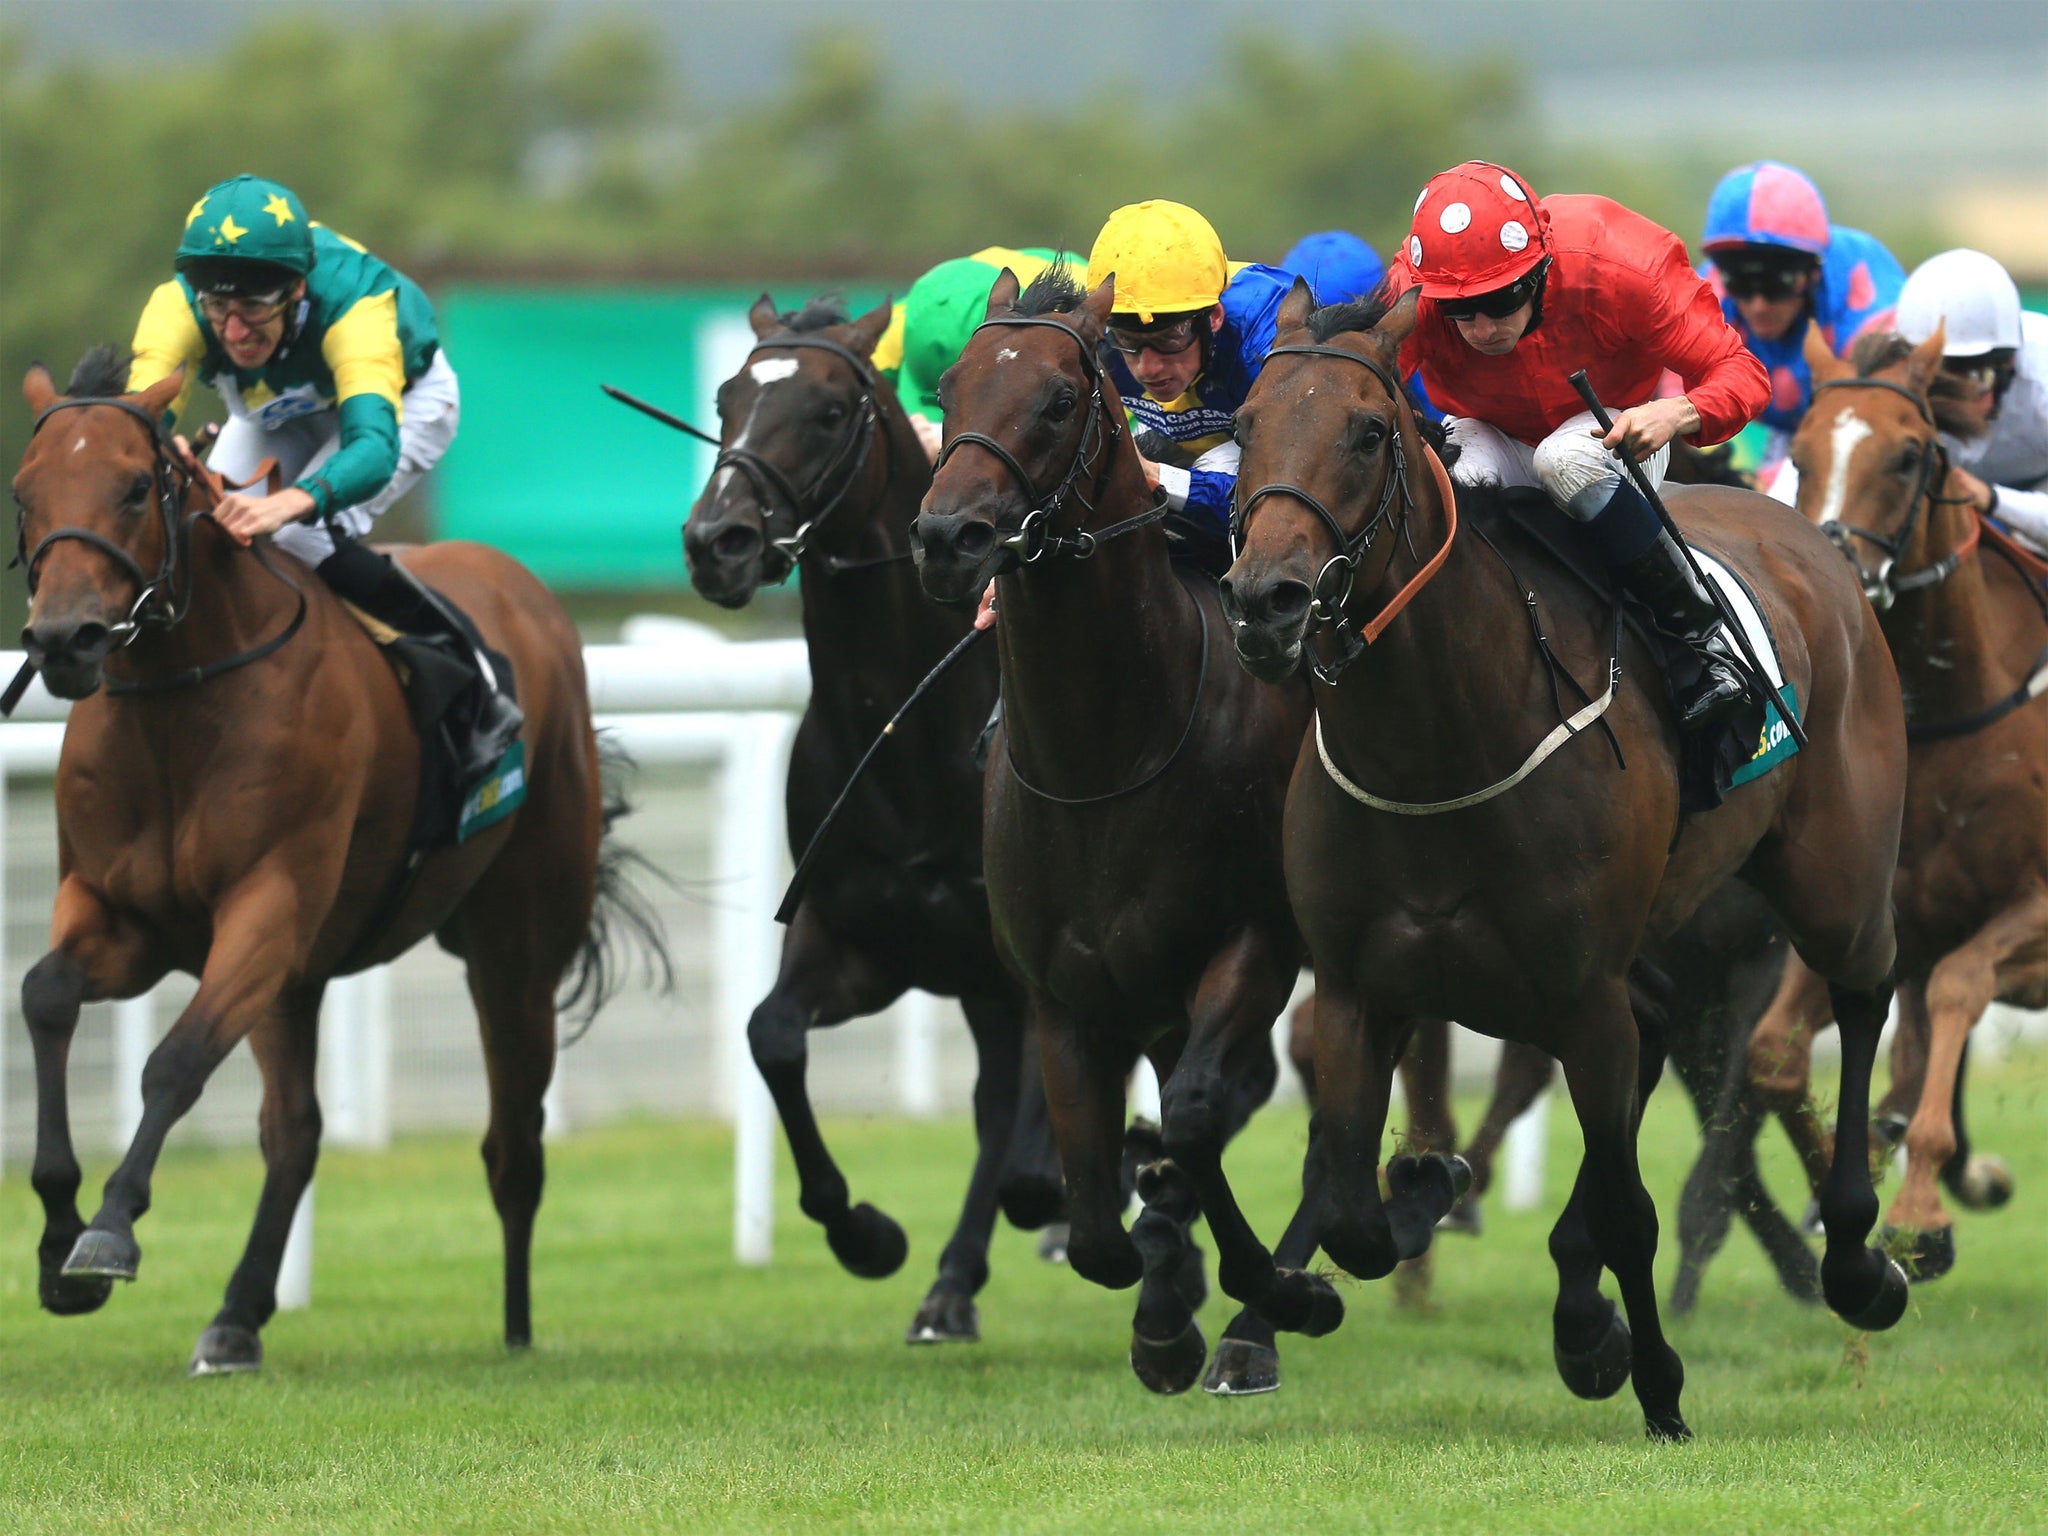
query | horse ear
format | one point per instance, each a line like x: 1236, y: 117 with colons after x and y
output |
x: 1099, y: 305
x: 39, y: 389
x: 158, y: 397
x: 1003, y: 296
x: 1925, y: 359
x: 867, y: 330
x: 1295, y: 309
x: 1821, y: 361
x: 1398, y: 322
x: 763, y: 317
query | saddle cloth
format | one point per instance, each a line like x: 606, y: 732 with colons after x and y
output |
x: 1773, y: 741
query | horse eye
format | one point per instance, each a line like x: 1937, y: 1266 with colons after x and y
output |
x: 1909, y: 458
x: 1370, y: 439
x: 832, y: 414
x: 1061, y: 408
x: 138, y: 490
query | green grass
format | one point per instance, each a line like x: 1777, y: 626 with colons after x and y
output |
x: 672, y: 1390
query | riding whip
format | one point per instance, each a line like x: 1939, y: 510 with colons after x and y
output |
x: 1584, y: 386
x: 648, y: 409
x: 797, y: 881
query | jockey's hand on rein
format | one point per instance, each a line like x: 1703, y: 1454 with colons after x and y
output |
x: 1643, y: 429
x: 245, y: 517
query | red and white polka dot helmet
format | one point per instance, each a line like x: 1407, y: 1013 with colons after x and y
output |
x: 1477, y: 228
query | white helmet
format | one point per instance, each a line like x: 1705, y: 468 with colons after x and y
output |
x: 1972, y: 292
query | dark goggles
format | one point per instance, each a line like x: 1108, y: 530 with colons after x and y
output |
x: 1500, y: 303
x: 1988, y: 372
x: 1175, y: 336
x: 1757, y: 281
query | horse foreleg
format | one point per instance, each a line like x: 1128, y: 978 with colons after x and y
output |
x: 1781, y: 1064
x: 822, y: 982
x: 93, y: 954
x: 253, y: 949
x: 1862, y: 1285
x: 1355, y: 1067
x: 1611, y: 1066
x: 1247, y: 1357
x: 2004, y: 954
x: 947, y: 1314
x: 286, y: 1049
x: 1894, y: 1111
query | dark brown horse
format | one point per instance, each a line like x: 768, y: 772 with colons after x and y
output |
x: 235, y: 800
x: 1133, y: 816
x: 1968, y: 626
x: 821, y: 474
x: 1448, y: 874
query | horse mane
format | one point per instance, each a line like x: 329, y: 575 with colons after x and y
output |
x: 102, y: 372
x: 1055, y: 291
x: 827, y: 309
x: 1876, y: 351
x: 1328, y: 321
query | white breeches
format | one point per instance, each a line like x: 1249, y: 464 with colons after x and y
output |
x: 1570, y: 465
x: 429, y: 412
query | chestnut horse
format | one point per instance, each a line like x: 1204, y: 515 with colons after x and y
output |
x: 235, y: 800
x: 1132, y: 818
x: 1968, y: 627
x: 1518, y: 908
x: 895, y: 899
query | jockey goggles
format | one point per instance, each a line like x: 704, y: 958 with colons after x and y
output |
x: 1985, y: 373
x: 1500, y: 303
x: 1763, y: 280
x: 1167, y: 340
x: 251, y: 309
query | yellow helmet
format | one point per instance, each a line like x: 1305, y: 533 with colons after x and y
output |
x: 1166, y: 258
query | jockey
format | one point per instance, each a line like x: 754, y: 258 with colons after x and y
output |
x: 1339, y: 266
x: 1998, y: 354
x: 329, y: 362
x: 1517, y: 295
x: 1187, y: 334
x: 1777, y: 262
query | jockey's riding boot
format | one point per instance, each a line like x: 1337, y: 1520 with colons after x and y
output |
x: 389, y: 593
x: 1663, y: 580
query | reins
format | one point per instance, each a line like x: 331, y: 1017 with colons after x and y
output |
x: 159, y: 604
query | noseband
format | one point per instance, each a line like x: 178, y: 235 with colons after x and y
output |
x: 1036, y: 539
x: 776, y: 489
x: 1884, y: 587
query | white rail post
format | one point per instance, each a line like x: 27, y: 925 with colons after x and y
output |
x: 750, y: 854
x: 917, y: 1054
x: 134, y: 1034
x: 356, y: 1060
x: 295, y: 1271
x: 1524, y: 1151
x: 1144, y: 1093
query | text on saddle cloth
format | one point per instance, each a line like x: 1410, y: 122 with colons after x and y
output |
x: 1774, y: 742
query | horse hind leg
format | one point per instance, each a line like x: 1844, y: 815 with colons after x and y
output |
x: 1519, y: 1081
x: 1247, y: 1359
x: 285, y: 1047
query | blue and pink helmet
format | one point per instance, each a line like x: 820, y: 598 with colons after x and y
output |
x: 1767, y: 203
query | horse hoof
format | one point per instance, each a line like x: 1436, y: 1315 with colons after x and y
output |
x: 1461, y: 1176
x: 1602, y: 1370
x: 1462, y: 1217
x: 106, y: 1255
x: 1171, y: 1366
x: 1887, y: 1306
x: 1031, y: 1203
x: 1928, y: 1254
x: 1812, y: 1223
x: 1052, y: 1242
x: 1322, y: 1309
x: 946, y: 1317
x: 72, y: 1295
x: 1670, y: 1430
x: 867, y: 1243
x: 1166, y: 1188
x: 1985, y: 1183
x: 1242, y: 1370
x: 1888, y: 1131
x: 226, y: 1350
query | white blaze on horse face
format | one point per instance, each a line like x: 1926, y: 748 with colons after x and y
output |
x: 1005, y: 354
x: 1850, y: 429
x: 772, y: 370
x: 80, y: 444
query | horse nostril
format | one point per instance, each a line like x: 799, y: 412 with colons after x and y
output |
x: 975, y: 540
x: 737, y: 542
x: 91, y: 640
x: 1287, y: 601
x: 1226, y: 597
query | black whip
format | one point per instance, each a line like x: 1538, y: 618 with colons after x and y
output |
x: 667, y: 420
x: 1584, y: 386
x: 797, y: 881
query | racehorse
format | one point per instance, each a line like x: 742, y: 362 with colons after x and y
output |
x: 1968, y: 626
x: 235, y: 799
x: 1518, y: 908
x: 1132, y: 818
x: 821, y: 473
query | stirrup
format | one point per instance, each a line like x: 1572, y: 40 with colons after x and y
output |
x: 1722, y: 691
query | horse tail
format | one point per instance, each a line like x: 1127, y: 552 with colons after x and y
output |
x: 624, y: 927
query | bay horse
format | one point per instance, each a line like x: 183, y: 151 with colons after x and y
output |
x: 1968, y: 626
x: 1131, y: 819
x: 820, y: 473
x: 1518, y: 908
x: 235, y: 800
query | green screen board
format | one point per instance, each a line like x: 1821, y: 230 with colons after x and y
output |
x: 546, y: 467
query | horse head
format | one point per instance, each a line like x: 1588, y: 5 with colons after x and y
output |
x: 1029, y: 397
x: 1322, y: 468
x: 1869, y: 457
x: 798, y: 424
x: 98, y: 495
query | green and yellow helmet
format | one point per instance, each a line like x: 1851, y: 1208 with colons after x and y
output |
x: 245, y: 233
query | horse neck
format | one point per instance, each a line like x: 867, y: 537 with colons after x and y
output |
x: 1093, y: 650
x: 234, y: 606
x: 1949, y: 640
